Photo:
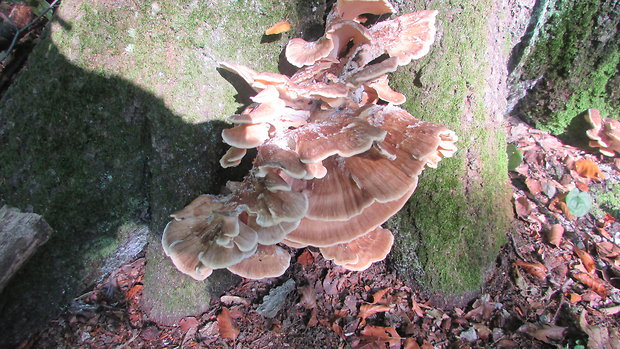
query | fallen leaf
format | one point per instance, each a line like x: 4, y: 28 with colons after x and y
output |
x: 411, y: 343
x: 416, y: 308
x: 523, y: 207
x: 376, y: 297
x: 582, y: 186
x: 228, y: 300
x: 305, y: 258
x: 545, y: 333
x: 134, y: 291
x: 586, y: 259
x: 599, y: 337
x: 385, y: 334
x: 533, y: 186
x: 308, y: 297
x: 574, y: 298
x: 226, y: 325
x: 313, y: 321
x: 611, y: 310
x: 555, y: 234
x: 367, y: 310
x: 592, y: 282
x: 280, y: 27
x: 588, y: 169
x: 188, y: 323
x: 536, y: 269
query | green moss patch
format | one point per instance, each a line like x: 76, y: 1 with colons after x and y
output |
x: 452, y: 228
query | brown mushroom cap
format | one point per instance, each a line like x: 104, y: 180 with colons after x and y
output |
x: 385, y: 92
x: 244, y: 72
x: 605, y: 133
x: 300, y: 52
x: 232, y: 157
x: 352, y: 9
x: 327, y: 233
x: 406, y: 37
x: 373, y: 71
x: 273, y: 234
x: 344, y: 32
x: 246, y: 136
x: 359, y: 254
x: 268, y: 261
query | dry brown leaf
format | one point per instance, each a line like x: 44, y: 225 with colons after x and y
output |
x: 592, y: 282
x: 582, y: 186
x: 313, y: 321
x: 599, y: 337
x: 305, y: 258
x: 523, y: 207
x: 545, y: 333
x: 588, y: 169
x: 533, y: 186
x: 555, y: 234
x: 377, y: 296
x: 229, y: 300
x: 226, y: 325
x: 574, y: 298
x: 416, y: 308
x: 536, y: 269
x: 586, y: 259
x: 611, y: 310
x: 280, y: 27
x: 188, y: 323
x: 411, y: 343
x: 367, y: 310
x: 134, y: 291
x: 385, y: 334
x: 308, y: 297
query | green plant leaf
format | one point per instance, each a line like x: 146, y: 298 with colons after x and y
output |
x: 515, y: 157
x: 578, y: 202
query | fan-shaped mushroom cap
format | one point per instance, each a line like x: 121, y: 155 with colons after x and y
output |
x: 327, y: 233
x: 232, y: 157
x: 337, y: 134
x: 293, y: 244
x: 300, y: 52
x: 204, y: 232
x: 406, y: 37
x: 359, y: 254
x: 277, y: 155
x: 373, y: 71
x: 268, y: 261
x: 605, y: 133
x: 385, y: 92
x: 270, y: 207
x: 343, y: 32
x: 273, y: 234
x: 246, y: 136
x: 352, y: 9
x: 244, y: 72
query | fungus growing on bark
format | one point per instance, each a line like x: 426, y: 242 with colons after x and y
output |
x: 604, y: 134
x: 332, y: 165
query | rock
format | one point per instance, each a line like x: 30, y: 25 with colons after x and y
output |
x: 21, y: 234
x: 274, y: 301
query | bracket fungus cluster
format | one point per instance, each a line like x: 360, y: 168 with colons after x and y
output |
x: 336, y: 157
x: 604, y: 134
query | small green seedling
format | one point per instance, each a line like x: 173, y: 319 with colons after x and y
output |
x: 578, y: 202
x: 515, y: 157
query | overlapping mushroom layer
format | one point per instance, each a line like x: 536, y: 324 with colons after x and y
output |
x: 332, y: 165
x: 604, y: 134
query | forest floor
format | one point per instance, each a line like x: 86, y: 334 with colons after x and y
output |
x: 555, y: 284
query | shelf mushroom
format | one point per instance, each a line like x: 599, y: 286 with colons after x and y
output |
x: 604, y: 134
x: 333, y: 163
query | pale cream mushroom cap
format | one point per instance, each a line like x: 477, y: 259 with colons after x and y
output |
x: 232, y: 157
x: 300, y: 52
x: 352, y: 9
x: 385, y: 92
x: 359, y: 254
x: 246, y: 136
x: 605, y: 133
x: 268, y: 261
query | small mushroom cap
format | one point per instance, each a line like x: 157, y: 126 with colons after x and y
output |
x: 605, y: 133
x: 300, y: 52
x: 273, y: 234
x: 374, y: 71
x: 246, y: 136
x: 344, y: 32
x: 268, y: 261
x: 359, y: 254
x: 274, y: 155
x: 328, y: 233
x: 232, y: 157
x: 352, y: 9
x: 406, y: 37
x: 293, y: 244
x: 244, y: 72
x: 187, y: 261
x: 385, y: 92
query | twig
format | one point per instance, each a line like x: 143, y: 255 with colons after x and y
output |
x: 20, y: 31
